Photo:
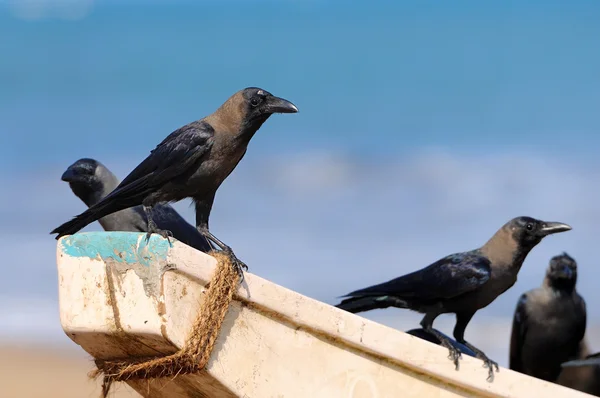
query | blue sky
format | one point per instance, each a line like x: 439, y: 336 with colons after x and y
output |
x: 369, y: 78
x: 423, y: 127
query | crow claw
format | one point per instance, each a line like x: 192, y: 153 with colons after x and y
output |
x: 240, y: 268
x: 162, y: 232
x: 454, y: 353
x: 455, y: 356
x: 238, y: 264
x: 488, y: 363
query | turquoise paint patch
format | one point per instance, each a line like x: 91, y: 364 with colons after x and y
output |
x: 124, y: 247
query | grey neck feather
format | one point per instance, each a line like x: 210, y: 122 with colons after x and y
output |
x: 107, y: 182
x: 561, y: 287
x: 111, y: 222
x: 504, y: 252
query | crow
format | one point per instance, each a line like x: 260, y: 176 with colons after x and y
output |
x: 191, y: 162
x: 461, y: 283
x: 549, y: 323
x: 91, y: 181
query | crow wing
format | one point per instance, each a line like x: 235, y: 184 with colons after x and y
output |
x: 448, y: 277
x: 518, y: 334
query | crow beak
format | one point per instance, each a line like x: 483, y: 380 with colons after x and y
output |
x: 68, y: 176
x: 566, y: 272
x: 549, y: 228
x: 279, y: 105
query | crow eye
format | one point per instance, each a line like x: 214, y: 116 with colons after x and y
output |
x: 529, y: 227
x: 255, y: 101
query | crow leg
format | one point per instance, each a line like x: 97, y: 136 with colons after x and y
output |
x: 240, y: 265
x: 153, y: 228
x: 454, y: 353
x: 462, y: 320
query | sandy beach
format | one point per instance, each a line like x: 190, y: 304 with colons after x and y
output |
x: 35, y: 372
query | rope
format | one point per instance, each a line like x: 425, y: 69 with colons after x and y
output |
x: 196, y: 351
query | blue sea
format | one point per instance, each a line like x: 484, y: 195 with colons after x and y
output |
x: 423, y: 127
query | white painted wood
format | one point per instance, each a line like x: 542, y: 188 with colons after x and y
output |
x: 274, y: 342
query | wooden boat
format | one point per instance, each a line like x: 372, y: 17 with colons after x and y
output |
x: 122, y: 297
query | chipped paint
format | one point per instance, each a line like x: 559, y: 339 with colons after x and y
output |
x: 123, y: 247
x: 124, y: 251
